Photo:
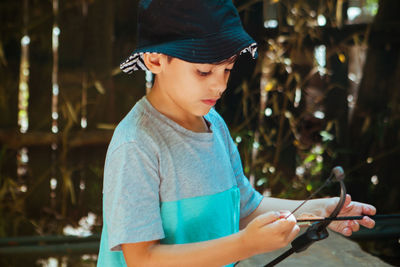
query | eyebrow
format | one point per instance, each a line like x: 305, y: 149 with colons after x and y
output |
x: 232, y: 59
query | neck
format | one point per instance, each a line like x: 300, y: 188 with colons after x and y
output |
x: 163, y: 104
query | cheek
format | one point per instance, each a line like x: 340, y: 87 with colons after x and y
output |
x: 192, y: 84
x: 177, y: 81
x: 227, y: 76
x: 182, y: 88
x: 186, y: 84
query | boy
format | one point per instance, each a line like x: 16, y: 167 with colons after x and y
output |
x: 174, y: 189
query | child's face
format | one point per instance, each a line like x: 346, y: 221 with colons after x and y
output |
x: 193, y: 89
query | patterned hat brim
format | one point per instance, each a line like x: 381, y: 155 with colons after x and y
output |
x: 209, y: 49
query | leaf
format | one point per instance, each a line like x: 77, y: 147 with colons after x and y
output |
x: 99, y: 86
x: 309, y: 187
x: 326, y: 136
x: 317, y: 169
x: 68, y: 184
x: 309, y: 158
x: 275, y: 104
x: 366, y: 124
x: 71, y: 111
x: 261, y: 181
x: 2, y: 55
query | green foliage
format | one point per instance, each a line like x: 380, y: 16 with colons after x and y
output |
x: 286, y: 150
x: 285, y: 131
x: 295, y: 151
x: 282, y: 141
x: 12, y: 203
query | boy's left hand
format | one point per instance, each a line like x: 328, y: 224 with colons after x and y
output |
x: 351, y: 208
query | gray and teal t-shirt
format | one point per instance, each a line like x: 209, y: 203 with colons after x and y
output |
x: 164, y: 182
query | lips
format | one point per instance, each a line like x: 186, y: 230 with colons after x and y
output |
x: 210, y: 102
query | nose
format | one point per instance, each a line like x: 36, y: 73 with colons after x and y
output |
x: 219, y: 82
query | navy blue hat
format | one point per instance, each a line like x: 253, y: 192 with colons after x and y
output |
x: 197, y: 31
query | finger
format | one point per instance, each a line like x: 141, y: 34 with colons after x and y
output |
x: 291, y: 217
x: 266, y: 218
x: 341, y: 227
x: 293, y: 233
x: 354, y: 225
x: 284, y: 226
x: 307, y: 216
x: 350, y: 227
x: 346, y: 231
x: 347, y: 201
x: 367, y: 222
x: 368, y: 209
x: 285, y: 213
x: 304, y: 224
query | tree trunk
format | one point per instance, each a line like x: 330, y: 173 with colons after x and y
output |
x: 375, y: 126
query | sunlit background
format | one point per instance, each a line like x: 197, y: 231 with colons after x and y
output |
x: 323, y: 92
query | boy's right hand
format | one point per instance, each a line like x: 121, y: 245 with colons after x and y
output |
x: 269, y: 231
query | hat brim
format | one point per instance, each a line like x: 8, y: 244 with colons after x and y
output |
x: 207, y: 49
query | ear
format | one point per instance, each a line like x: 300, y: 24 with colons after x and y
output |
x: 154, y: 61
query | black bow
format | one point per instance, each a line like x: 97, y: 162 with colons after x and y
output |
x: 317, y: 231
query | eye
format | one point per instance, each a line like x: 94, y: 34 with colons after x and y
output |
x: 228, y: 70
x: 202, y: 73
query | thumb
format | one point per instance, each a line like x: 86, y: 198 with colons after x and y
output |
x: 347, y: 201
x: 266, y: 218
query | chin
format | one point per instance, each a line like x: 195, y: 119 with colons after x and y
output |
x: 205, y: 112
x: 200, y: 111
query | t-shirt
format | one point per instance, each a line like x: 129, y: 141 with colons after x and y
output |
x: 164, y: 182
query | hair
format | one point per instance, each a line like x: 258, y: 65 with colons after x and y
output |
x: 225, y: 61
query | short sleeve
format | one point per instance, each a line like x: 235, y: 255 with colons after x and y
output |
x: 131, y: 196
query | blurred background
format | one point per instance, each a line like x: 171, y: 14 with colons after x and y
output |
x: 325, y: 91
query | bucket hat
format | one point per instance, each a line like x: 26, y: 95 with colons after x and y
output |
x: 196, y: 31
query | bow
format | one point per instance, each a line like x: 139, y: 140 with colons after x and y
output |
x: 317, y: 231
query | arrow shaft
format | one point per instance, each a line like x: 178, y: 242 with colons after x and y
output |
x: 345, y: 218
